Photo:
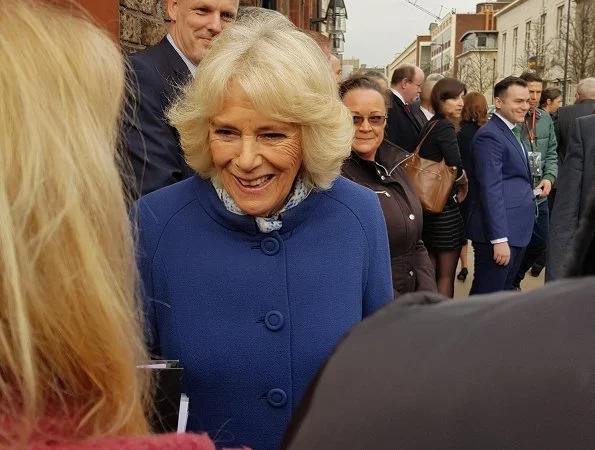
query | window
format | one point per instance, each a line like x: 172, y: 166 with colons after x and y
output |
x: 515, y: 41
x: 482, y: 41
x: 503, y: 54
x: 542, y: 33
x: 528, y: 37
x: 559, y: 28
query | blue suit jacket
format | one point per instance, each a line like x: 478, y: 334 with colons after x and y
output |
x: 253, y: 316
x: 501, y: 201
x: 152, y: 144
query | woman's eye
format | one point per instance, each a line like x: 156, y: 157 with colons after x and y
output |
x: 224, y: 132
x: 273, y: 136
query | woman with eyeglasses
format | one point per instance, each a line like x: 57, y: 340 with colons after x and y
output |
x: 377, y: 164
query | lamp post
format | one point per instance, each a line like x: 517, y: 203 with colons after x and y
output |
x: 336, y: 24
x: 566, y: 55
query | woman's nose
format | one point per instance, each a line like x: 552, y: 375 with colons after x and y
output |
x: 365, y: 125
x: 248, y: 157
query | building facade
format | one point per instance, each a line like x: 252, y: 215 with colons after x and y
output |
x: 417, y: 53
x: 142, y: 23
x: 476, y: 64
x: 446, y: 35
x: 532, y: 36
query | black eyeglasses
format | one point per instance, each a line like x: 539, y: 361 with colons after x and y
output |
x: 372, y: 120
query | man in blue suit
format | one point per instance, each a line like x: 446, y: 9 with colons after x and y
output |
x: 153, y: 146
x: 501, y: 197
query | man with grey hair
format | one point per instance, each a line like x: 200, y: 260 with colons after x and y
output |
x: 422, y: 109
x: 378, y: 78
x: 402, y: 128
x: 567, y: 115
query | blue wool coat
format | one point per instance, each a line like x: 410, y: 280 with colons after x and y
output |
x: 253, y: 316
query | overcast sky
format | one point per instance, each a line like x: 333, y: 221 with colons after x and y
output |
x: 379, y: 29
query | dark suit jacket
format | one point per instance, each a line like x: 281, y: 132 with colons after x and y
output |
x: 576, y: 178
x: 566, y: 120
x: 464, y: 138
x: 152, y: 144
x: 501, y: 201
x: 441, y: 143
x: 418, y: 113
x: 499, y: 371
x: 402, y: 127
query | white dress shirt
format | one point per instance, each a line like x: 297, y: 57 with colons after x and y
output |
x: 426, y: 112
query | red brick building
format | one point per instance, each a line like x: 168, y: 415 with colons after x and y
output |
x: 446, y: 35
x: 141, y: 23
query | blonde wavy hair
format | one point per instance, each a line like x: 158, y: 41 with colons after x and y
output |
x: 286, y: 76
x: 69, y: 331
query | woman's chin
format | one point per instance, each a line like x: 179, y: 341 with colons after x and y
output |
x: 366, y: 151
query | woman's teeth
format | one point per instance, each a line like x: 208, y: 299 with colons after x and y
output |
x: 257, y: 182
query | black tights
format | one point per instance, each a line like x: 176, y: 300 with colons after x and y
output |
x: 445, y: 265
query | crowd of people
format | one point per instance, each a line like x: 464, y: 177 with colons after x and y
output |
x: 228, y: 200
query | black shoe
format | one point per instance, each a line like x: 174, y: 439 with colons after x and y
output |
x: 463, y: 274
x: 536, y: 270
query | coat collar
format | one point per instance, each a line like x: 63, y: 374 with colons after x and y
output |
x: 388, y: 157
x: 173, y: 61
x: 214, y: 207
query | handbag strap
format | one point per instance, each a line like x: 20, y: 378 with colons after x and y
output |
x: 430, y: 128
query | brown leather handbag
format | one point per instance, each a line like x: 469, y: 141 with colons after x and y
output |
x: 433, y: 181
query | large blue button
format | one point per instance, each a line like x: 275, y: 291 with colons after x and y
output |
x: 270, y: 246
x: 274, y: 320
x: 277, y: 397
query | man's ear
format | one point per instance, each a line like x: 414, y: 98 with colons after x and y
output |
x: 497, y: 102
x: 172, y: 9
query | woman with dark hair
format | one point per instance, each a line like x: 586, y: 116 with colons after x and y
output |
x: 474, y: 115
x: 378, y: 164
x: 444, y: 232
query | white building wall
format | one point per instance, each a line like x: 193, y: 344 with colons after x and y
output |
x: 516, y: 15
x: 407, y: 56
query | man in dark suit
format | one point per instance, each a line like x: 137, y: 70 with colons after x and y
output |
x: 501, y: 199
x: 153, y: 146
x: 576, y: 177
x: 584, y: 105
x: 402, y: 128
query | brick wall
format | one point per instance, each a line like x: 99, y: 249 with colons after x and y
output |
x: 142, y: 23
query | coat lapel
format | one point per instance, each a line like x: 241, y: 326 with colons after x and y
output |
x: 515, y: 143
x: 397, y: 103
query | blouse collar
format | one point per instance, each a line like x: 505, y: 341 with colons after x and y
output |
x: 265, y: 224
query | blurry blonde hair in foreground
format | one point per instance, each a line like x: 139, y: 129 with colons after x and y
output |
x: 69, y: 334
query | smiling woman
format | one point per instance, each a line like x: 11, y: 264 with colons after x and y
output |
x: 378, y: 165
x: 256, y: 267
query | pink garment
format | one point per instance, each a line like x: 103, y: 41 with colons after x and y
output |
x: 158, y: 442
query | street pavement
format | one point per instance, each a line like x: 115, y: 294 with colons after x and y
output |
x: 462, y: 289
